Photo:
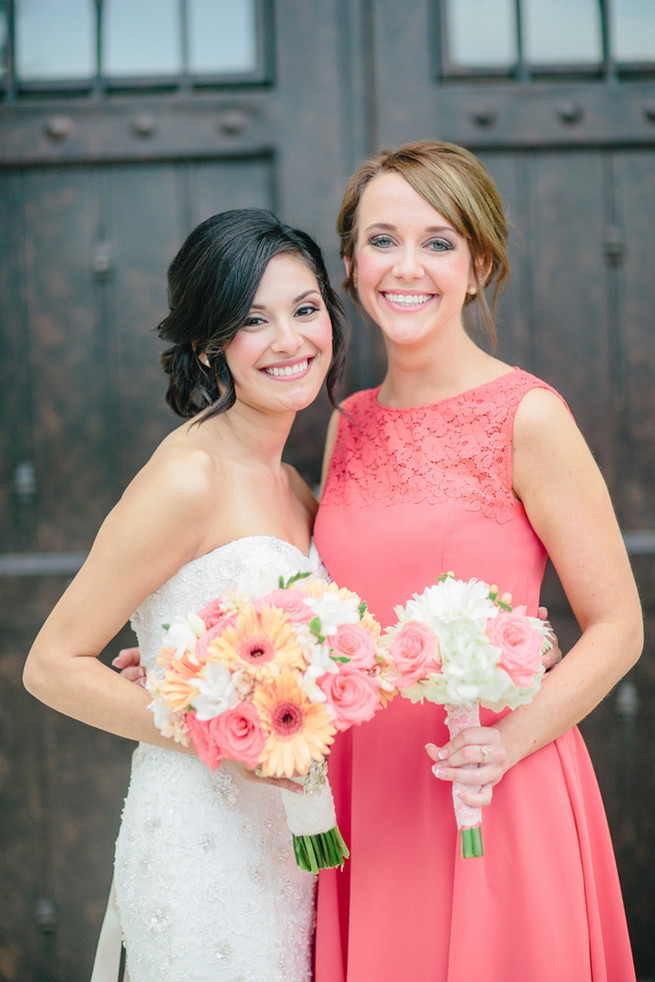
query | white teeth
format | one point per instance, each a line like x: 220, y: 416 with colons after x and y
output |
x: 289, y: 369
x: 408, y: 300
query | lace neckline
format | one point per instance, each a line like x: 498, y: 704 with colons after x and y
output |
x: 252, y: 538
x: 380, y: 406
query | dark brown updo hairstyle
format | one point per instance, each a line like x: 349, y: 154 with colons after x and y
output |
x: 212, y: 283
x: 458, y: 186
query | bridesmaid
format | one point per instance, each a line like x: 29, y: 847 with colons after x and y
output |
x: 459, y: 461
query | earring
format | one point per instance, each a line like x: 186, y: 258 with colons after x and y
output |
x: 472, y: 291
x: 202, y: 357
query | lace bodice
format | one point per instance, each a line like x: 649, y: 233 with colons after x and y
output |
x: 207, y: 886
x: 457, y: 448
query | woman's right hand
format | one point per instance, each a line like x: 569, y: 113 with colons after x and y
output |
x: 128, y: 663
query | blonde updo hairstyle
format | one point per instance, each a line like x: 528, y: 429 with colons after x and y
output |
x: 458, y: 186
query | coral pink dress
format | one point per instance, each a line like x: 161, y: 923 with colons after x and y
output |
x: 412, y: 493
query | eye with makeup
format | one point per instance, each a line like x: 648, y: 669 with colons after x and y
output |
x: 253, y: 321
x: 440, y: 245
x: 381, y: 241
x: 307, y: 309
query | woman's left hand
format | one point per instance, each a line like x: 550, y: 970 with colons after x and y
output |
x: 552, y: 655
x: 476, y: 757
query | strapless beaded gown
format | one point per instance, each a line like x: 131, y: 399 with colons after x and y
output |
x: 207, y: 886
x: 411, y: 494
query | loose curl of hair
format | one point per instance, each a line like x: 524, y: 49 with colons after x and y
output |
x: 212, y: 282
x: 458, y: 186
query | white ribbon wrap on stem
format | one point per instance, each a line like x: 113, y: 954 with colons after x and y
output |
x: 310, y: 814
x: 459, y: 718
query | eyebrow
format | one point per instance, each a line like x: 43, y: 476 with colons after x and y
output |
x: 301, y: 296
x: 430, y: 228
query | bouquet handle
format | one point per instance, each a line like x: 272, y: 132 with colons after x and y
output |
x: 317, y: 841
x: 469, y: 819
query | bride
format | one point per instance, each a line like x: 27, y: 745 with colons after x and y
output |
x: 206, y: 882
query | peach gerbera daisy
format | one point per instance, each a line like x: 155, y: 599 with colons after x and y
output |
x: 298, y: 731
x: 262, y: 643
x: 177, y: 686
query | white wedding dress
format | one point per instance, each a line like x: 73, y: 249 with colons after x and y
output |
x: 207, y: 885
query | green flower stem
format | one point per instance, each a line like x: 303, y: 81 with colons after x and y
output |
x: 471, y: 840
x: 324, y: 851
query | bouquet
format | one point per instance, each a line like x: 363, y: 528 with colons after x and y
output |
x: 462, y: 646
x: 267, y: 681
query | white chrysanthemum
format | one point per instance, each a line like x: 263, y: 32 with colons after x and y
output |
x: 216, y: 691
x: 450, y: 600
x: 334, y: 611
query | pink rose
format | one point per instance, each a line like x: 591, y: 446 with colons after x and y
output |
x: 415, y: 653
x: 519, y: 643
x: 352, y: 694
x: 238, y: 734
x: 292, y: 601
x: 212, y: 613
x: 215, y: 631
x: 354, y: 641
x: 201, y: 736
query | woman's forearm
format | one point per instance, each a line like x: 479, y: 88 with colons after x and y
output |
x: 602, y: 656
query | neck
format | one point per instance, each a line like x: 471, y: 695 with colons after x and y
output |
x: 252, y: 437
x: 423, y: 374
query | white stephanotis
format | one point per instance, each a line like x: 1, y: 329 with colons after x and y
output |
x: 319, y: 665
x: 333, y: 611
x: 216, y: 691
x: 450, y: 600
x: 170, y: 724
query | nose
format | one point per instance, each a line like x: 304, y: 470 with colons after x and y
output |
x: 287, y: 338
x: 408, y: 265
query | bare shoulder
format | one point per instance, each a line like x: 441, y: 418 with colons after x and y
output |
x: 542, y: 416
x: 302, y: 490
x: 549, y: 451
x: 179, y: 469
x: 172, y: 499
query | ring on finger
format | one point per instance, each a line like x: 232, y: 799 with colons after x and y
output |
x: 485, y: 753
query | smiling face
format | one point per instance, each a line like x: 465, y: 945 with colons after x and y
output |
x: 412, y: 268
x: 280, y: 356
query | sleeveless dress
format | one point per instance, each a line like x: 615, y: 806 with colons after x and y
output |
x: 410, y: 494
x: 207, y: 885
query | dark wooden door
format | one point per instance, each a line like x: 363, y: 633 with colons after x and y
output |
x: 98, y: 189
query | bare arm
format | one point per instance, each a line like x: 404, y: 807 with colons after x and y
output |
x: 148, y: 536
x: 569, y: 507
x: 568, y: 504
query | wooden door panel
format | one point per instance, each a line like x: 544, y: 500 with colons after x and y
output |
x: 143, y: 230
x: 66, y: 358
x: 634, y: 181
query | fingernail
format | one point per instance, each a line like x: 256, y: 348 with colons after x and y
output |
x: 438, y: 771
x: 442, y: 755
x: 430, y: 747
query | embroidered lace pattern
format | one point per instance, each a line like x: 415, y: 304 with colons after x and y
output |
x: 458, y: 448
x: 207, y: 884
